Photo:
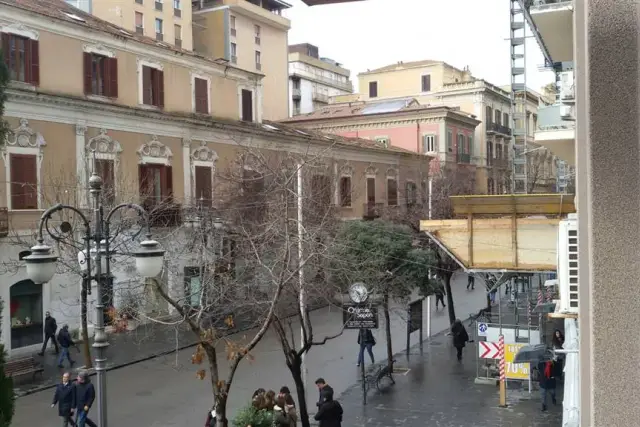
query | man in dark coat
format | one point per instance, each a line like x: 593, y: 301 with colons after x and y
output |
x: 65, y: 398
x: 460, y: 337
x: 85, y: 395
x: 547, y: 380
x: 439, y: 292
x: 50, y: 328
x: 323, y: 389
x: 329, y: 411
x: 64, y: 338
x: 366, y: 341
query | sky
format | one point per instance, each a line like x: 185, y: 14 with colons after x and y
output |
x: 372, y: 33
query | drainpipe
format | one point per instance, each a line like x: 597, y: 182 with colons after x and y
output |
x: 417, y: 136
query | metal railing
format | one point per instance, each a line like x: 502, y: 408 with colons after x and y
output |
x: 296, y: 93
x: 549, y: 118
x: 498, y: 128
x: 321, y: 97
x: 464, y: 158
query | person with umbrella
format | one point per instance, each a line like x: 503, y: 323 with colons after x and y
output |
x: 547, y: 380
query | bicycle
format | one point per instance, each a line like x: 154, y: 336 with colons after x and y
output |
x: 380, y: 378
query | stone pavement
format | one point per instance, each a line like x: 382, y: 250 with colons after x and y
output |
x: 439, y: 391
x: 164, y: 391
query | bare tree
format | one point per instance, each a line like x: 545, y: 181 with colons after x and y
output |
x: 538, y: 170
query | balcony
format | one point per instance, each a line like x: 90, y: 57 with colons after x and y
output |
x: 501, y: 163
x: 159, y: 37
x: 556, y: 133
x: 178, y: 43
x: 495, y: 128
x: 554, y: 22
x: 463, y: 158
x: 301, y: 73
x: 372, y: 210
x: 266, y: 11
x: 320, y: 97
x: 139, y: 30
x: 295, y: 93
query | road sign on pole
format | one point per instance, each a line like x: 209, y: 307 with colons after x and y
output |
x: 488, y: 350
x: 482, y: 329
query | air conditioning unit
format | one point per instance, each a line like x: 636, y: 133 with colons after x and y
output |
x: 567, y: 112
x: 567, y: 87
x: 568, y: 264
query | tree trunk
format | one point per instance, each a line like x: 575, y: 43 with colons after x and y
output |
x: 219, y: 398
x: 387, y: 329
x: 83, y: 320
x: 447, y: 288
x: 295, y: 366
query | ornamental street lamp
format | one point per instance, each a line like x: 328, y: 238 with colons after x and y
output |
x: 95, y: 263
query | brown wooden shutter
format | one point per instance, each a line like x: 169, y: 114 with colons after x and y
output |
x: 6, y: 48
x: 203, y: 185
x: 24, y: 181
x: 146, y: 85
x: 247, y: 105
x: 201, y: 96
x: 160, y: 90
x: 34, y: 63
x: 88, y: 73
x: 112, y: 73
x: 167, y: 189
x: 371, y: 190
x: 143, y: 184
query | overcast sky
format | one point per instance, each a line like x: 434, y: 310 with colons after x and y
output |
x: 373, y: 33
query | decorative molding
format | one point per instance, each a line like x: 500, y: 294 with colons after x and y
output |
x: 20, y: 30
x: 25, y: 137
x: 103, y: 143
x: 371, y: 171
x: 204, y: 154
x: 99, y: 49
x: 392, y: 173
x: 346, y: 170
x: 186, y: 142
x: 81, y: 130
x: 149, y: 63
x: 154, y: 149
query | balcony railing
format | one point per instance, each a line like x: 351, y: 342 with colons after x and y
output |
x: 295, y: 93
x: 346, y: 86
x: 497, y: 128
x: 372, y: 210
x: 139, y: 30
x: 158, y: 5
x: 463, y: 158
x: 550, y: 118
x: 320, y: 97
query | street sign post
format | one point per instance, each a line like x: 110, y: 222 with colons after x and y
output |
x: 482, y: 329
x: 488, y: 350
x: 414, y: 322
x: 356, y: 316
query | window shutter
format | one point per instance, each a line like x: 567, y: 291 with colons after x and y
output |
x: 167, y: 192
x: 6, y: 48
x: 146, y: 85
x: 24, y: 181
x: 203, y: 185
x: 160, y: 82
x: 143, y: 184
x: 88, y: 73
x: 112, y: 73
x: 17, y: 192
x: 34, y: 52
x: 201, y: 96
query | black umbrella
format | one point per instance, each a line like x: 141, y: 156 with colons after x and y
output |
x: 533, y: 354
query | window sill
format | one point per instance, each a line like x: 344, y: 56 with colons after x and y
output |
x: 149, y: 107
x: 99, y: 98
x: 15, y: 84
x: 26, y: 210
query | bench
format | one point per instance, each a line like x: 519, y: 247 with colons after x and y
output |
x: 22, y: 366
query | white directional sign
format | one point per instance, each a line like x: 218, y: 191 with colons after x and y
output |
x: 482, y: 329
x: 488, y: 350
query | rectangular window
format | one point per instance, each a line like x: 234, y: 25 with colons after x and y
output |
x: 234, y: 53
x: 321, y: 192
x: 253, y: 189
x: 392, y: 192
x: 429, y: 144
x: 201, y: 95
x: 460, y: 146
x: 497, y: 118
x: 176, y: 4
x: 22, y: 57
x: 177, y: 31
x: 373, y: 89
x: 204, y: 188
x: 488, y: 115
x: 449, y: 140
x: 505, y: 119
x: 426, y: 83
x: 155, y: 184
x: 152, y: 87
x: 384, y: 141
x: 100, y: 75
x: 258, y: 60
x: 345, y: 191
x: 193, y: 285
x: 411, y: 193
x: 232, y: 25
x: 139, y: 23
x: 247, y: 105
x: 24, y: 181
x: 159, y: 32
x: 470, y: 145
x: 158, y: 4
x: 139, y: 1
x: 105, y: 170
x: 371, y: 191
x: 256, y: 30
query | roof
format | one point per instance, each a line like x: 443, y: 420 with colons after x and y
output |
x: 403, y: 65
x: 60, y: 10
x: 359, y: 109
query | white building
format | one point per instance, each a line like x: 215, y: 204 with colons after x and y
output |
x: 313, y: 80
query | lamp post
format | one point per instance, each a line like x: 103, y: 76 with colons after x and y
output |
x: 41, y: 267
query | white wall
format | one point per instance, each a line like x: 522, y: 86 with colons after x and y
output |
x: 308, y: 86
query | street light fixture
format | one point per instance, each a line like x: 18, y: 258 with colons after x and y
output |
x: 94, y: 262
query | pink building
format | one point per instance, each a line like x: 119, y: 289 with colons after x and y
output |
x: 445, y: 133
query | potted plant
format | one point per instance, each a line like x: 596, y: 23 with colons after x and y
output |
x: 250, y: 416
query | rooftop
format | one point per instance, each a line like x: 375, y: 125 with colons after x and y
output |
x: 401, y: 65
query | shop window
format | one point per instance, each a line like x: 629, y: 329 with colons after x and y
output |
x: 26, y: 314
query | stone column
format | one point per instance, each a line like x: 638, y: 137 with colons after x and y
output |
x: 81, y: 164
x: 608, y: 179
x: 186, y: 166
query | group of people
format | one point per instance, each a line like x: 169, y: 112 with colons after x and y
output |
x: 63, y: 340
x: 75, y: 399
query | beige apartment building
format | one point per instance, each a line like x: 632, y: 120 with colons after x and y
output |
x: 161, y: 126
x: 251, y: 35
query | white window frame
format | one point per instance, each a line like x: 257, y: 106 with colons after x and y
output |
x: 142, y: 62
x: 98, y: 49
x: 177, y: 35
x: 433, y: 144
x: 102, y: 146
x: 34, y: 148
x: 202, y: 156
x: 449, y: 141
x: 195, y: 76
x: 177, y: 2
x: 20, y: 30
x: 430, y: 83
x: 134, y: 20
x: 256, y: 104
x: 345, y: 172
x: 155, y: 25
x: 258, y: 57
x: 164, y: 153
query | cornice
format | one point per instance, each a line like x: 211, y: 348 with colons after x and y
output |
x: 71, y: 111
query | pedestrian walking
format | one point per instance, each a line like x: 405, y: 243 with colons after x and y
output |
x: 329, y: 411
x: 492, y: 295
x: 460, y: 337
x: 366, y: 341
x: 65, y: 341
x: 281, y: 417
x: 547, y: 380
x: 557, y: 342
x: 50, y: 328
x: 471, y: 283
x: 323, y: 389
x: 65, y: 398
x: 439, y: 292
x: 290, y: 408
x: 210, y: 421
x: 85, y: 395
